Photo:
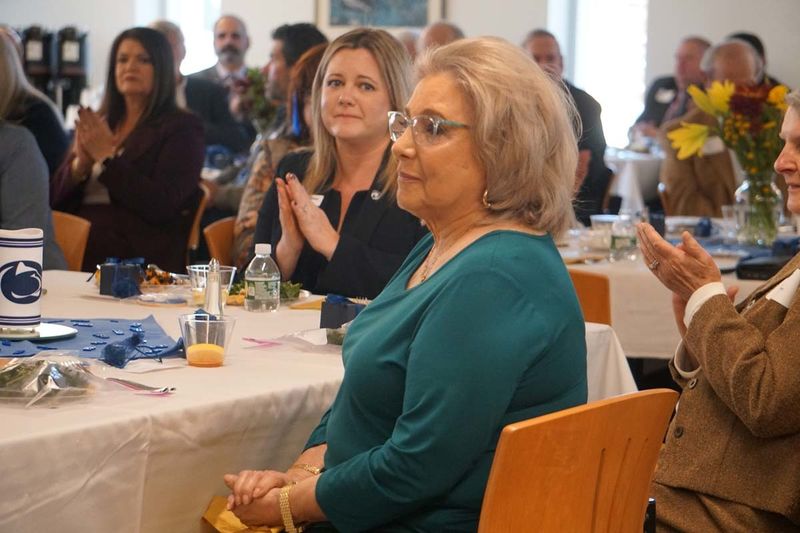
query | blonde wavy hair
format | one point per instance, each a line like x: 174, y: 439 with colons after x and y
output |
x: 395, y: 67
x: 525, y: 129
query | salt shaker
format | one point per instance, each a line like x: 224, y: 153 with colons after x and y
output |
x: 213, y: 303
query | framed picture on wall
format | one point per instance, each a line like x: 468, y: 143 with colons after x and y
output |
x: 335, y: 17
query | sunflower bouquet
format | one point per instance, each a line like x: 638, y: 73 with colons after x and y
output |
x: 748, y: 120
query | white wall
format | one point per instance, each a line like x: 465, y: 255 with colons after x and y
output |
x: 103, y: 20
x: 263, y: 16
x: 774, y: 21
x: 510, y: 19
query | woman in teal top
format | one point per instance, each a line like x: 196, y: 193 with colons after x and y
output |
x: 479, y: 328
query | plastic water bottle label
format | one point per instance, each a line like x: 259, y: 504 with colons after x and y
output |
x: 622, y: 242
x: 262, y: 289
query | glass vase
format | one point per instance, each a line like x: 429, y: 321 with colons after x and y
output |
x: 759, y: 206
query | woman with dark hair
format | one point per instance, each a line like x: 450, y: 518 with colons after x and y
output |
x: 295, y: 133
x: 135, y: 164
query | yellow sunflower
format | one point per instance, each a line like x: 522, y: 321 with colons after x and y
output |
x: 688, y: 139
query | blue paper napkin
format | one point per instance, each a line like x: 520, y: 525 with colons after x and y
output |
x: 137, y: 338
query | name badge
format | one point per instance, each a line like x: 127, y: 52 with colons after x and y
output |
x: 665, y: 96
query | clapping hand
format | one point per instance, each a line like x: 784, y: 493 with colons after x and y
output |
x: 683, y: 268
x: 292, y: 239
x: 311, y: 221
x: 94, y: 139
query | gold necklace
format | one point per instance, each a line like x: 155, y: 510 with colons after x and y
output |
x: 433, y: 256
x: 435, y: 253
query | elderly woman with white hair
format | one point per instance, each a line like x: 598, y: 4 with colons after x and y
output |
x: 480, y: 327
x: 730, y: 461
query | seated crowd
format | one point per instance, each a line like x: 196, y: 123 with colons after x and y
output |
x: 435, y: 187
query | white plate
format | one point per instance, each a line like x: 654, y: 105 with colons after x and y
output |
x: 43, y: 331
x: 162, y: 298
x: 302, y: 296
x: 681, y: 222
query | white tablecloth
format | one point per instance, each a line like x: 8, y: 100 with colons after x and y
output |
x: 641, y: 307
x: 132, y: 463
x: 636, y: 177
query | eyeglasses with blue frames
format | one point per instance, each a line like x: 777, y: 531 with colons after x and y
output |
x: 424, y: 128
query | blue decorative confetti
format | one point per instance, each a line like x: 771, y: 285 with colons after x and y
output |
x: 95, y: 334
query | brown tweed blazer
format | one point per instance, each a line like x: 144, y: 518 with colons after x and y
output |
x: 700, y: 185
x: 736, y: 434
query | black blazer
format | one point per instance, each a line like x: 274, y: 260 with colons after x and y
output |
x: 375, y: 238
x: 589, y: 199
x: 41, y: 120
x: 660, y: 95
x: 210, y: 101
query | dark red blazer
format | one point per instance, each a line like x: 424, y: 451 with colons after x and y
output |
x: 153, y: 186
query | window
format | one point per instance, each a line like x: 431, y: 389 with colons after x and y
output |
x: 196, y: 20
x: 609, y: 60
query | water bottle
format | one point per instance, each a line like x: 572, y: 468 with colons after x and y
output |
x: 262, y: 282
x: 623, y: 239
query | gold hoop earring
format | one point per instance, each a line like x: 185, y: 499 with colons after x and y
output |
x: 486, y: 203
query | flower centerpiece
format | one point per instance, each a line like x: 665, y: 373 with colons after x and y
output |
x: 254, y: 103
x: 748, y: 120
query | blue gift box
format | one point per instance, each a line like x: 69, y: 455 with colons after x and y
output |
x: 121, y: 278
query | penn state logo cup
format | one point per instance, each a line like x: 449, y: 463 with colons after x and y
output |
x: 20, y: 278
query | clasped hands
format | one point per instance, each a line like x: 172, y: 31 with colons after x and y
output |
x: 94, y: 140
x: 302, y: 221
x: 254, y: 496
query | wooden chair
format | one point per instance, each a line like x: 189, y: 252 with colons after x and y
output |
x: 72, y: 234
x: 219, y: 238
x: 594, y: 295
x: 194, y: 233
x: 584, y: 469
x: 663, y: 194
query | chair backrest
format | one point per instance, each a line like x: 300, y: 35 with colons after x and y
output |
x: 194, y: 233
x: 72, y: 234
x: 219, y: 238
x: 584, y: 469
x: 663, y: 194
x: 594, y: 295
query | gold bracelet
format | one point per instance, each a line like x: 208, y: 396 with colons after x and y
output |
x: 286, y: 511
x: 307, y: 467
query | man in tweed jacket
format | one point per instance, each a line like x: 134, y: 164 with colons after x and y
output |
x: 731, y: 461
